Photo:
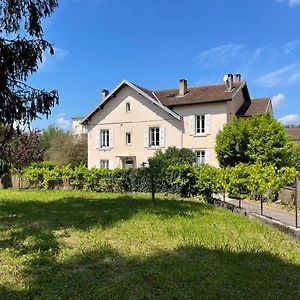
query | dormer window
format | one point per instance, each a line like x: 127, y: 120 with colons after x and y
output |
x: 128, y: 108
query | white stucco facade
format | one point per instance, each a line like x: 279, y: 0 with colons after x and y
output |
x: 180, y: 132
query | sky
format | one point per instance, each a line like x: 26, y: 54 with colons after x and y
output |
x: 154, y: 43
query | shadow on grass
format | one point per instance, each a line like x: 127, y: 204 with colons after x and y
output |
x: 36, y: 218
x: 185, y: 273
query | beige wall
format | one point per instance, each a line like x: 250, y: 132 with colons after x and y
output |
x: 145, y: 114
x: 218, y: 117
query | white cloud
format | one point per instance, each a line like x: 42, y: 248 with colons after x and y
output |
x: 291, y: 3
x: 293, y: 119
x: 283, y: 76
x: 278, y: 100
x: 62, y: 114
x: 291, y: 47
x: 220, y: 54
x: 63, y: 123
x: 51, y: 62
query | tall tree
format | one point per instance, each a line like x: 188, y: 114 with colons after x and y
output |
x: 259, y: 139
x: 22, y: 44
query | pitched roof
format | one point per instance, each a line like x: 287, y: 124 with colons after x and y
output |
x: 198, y: 94
x: 255, y: 106
x: 294, y: 133
x: 146, y: 93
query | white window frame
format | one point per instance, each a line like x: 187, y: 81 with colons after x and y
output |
x: 128, y: 107
x: 104, y: 164
x: 154, y: 137
x: 128, y: 136
x: 201, y: 158
x: 104, y: 139
x: 200, y: 125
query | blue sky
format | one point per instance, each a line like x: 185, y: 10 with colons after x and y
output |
x: 154, y: 43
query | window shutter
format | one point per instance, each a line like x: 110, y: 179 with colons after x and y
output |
x: 98, y: 140
x: 162, y: 135
x: 207, y: 123
x: 192, y: 125
x: 110, y: 164
x: 146, y: 137
x: 207, y: 156
x: 111, y: 138
x: 98, y: 164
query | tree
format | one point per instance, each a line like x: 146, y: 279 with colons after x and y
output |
x: 161, y: 161
x: 259, y: 139
x: 21, y: 48
x: 174, y: 156
x: 48, y: 134
x: 66, y: 149
x: 25, y: 150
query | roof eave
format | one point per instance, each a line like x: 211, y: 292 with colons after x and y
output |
x: 111, y: 94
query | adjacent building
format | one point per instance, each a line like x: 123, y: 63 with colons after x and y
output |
x: 132, y: 122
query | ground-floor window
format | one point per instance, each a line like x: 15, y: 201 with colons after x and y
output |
x: 104, y: 163
x: 200, y: 157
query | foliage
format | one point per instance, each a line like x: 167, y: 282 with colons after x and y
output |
x: 175, y: 156
x: 182, y: 180
x: 240, y: 181
x: 5, y: 149
x: 158, y: 169
x: 297, y: 155
x: 21, y: 49
x: 26, y: 150
x: 66, y: 149
x: 259, y: 139
x: 48, y: 134
x: 206, y: 179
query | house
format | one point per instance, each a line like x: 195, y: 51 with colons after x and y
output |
x: 294, y: 132
x: 132, y: 122
x: 77, y: 128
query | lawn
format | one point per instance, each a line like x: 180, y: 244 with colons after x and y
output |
x: 80, y: 245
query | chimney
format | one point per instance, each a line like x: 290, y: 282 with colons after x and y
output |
x: 182, y: 87
x: 104, y: 93
x: 229, y: 82
x: 238, y: 77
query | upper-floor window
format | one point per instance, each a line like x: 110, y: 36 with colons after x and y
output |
x: 104, y: 138
x: 154, y: 136
x: 200, y: 124
x: 128, y: 108
x: 128, y: 138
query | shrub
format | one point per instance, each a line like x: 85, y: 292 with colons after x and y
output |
x: 206, y: 180
x: 182, y: 179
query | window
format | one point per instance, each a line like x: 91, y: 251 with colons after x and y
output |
x: 128, y: 108
x: 200, y: 124
x: 154, y: 136
x: 128, y: 138
x: 104, y: 138
x: 104, y: 163
x: 200, y: 157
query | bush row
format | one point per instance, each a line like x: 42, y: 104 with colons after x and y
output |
x: 240, y: 181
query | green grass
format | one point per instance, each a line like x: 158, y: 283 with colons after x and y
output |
x: 79, y: 245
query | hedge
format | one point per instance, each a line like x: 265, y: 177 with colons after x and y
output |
x: 240, y: 181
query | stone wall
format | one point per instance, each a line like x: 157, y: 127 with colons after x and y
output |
x: 287, y: 195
